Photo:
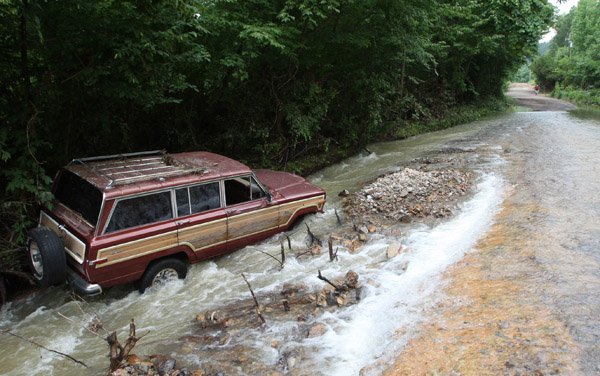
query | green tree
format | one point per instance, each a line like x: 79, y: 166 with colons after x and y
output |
x: 264, y: 81
x: 585, y: 35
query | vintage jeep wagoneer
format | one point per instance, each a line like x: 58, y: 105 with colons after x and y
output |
x: 144, y: 217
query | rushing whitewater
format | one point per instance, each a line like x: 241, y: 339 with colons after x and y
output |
x: 397, y: 289
x: 396, y: 293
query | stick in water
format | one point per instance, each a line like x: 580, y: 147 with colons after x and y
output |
x: 44, y: 347
x: 256, y: 305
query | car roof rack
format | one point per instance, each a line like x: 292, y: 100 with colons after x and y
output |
x: 120, y: 156
x: 120, y: 169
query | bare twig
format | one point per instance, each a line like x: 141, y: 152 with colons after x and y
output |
x: 78, y: 299
x: 339, y: 221
x: 43, y: 347
x: 303, y: 253
x: 21, y: 275
x: 282, y: 255
x: 332, y: 254
x: 289, y: 241
x: 82, y: 325
x: 336, y: 287
x: 256, y: 305
x: 13, y: 250
x: 30, y: 122
x: 273, y: 257
x: 313, y: 237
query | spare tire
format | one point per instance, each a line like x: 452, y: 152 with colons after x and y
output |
x: 46, y: 257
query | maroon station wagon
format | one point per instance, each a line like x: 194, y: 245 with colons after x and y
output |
x: 145, y: 216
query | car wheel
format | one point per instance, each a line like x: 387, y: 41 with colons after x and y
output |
x: 46, y: 257
x: 162, y: 272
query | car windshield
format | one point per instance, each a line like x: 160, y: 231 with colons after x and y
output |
x: 78, y: 195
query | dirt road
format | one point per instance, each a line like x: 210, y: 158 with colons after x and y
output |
x: 525, y: 301
x: 524, y: 96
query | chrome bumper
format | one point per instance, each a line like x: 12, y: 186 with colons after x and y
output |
x: 80, y: 285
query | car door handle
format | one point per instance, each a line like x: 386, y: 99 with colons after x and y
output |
x: 184, y: 222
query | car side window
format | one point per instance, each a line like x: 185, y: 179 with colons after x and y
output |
x: 196, y: 199
x: 141, y: 210
x: 256, y: 190
x: 182, y: 199
x: 238, y: 190
x: 205, y: 197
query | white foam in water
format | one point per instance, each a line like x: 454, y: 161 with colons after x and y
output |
x: 367, y: 331
x: 357, y: 336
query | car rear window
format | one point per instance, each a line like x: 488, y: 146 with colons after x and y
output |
x: 78, y: 195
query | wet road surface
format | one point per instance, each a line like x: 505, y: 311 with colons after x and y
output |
x: 527, y: 300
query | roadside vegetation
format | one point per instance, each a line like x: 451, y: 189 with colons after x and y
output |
x: 571, y: 68
x: 284, y: 84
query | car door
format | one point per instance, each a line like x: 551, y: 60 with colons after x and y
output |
x: 250, y: 215
x: 201, y: 219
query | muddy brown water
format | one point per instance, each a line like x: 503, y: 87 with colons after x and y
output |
x: 509, y: 285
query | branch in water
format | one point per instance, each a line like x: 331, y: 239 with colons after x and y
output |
x: 44, y: 347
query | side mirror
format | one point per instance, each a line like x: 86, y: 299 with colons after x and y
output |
x: 269, y: 197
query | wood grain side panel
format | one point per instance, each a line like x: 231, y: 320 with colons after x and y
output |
x: 137, y: 248
x: 287, y: 211
x: 241, y: 225
x: 204, y: 235
x: 262, y: 220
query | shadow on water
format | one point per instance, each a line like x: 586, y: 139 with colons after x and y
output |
x: 586, y: 113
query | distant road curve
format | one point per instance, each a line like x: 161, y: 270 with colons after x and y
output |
x: 525, y: 96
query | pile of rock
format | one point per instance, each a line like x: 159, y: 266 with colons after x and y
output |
x: 410, y: 193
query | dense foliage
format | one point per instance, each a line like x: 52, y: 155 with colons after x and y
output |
x: 572, y: 65
x: 265, y: 81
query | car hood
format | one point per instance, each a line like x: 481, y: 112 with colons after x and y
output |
x: 287, y: 185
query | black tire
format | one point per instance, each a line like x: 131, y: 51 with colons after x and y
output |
x: 162, y: 272
x: 47, y: 257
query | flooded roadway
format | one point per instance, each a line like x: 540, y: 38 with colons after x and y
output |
x: 509, y: 285
x: 527, y: 300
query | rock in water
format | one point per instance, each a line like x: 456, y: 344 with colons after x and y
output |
x: 344, y: 193
x: 394, y: 250
x: 317, y: 330
x: 165, y: 367
x: 351, y: 279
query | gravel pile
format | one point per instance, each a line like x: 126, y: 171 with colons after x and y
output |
x: 409, y: 194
